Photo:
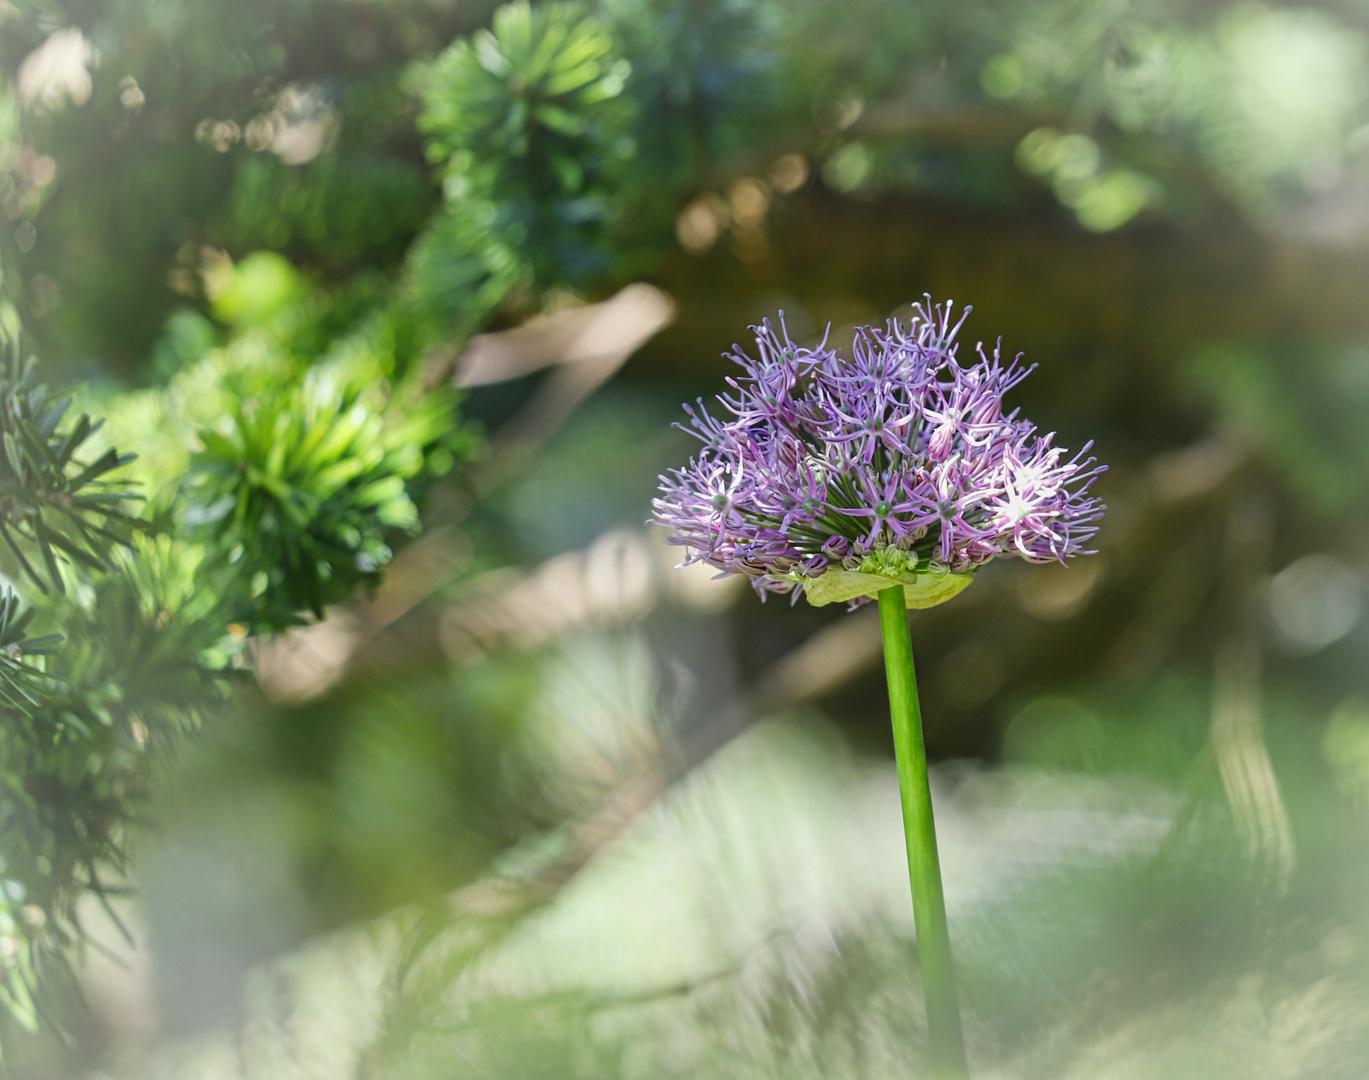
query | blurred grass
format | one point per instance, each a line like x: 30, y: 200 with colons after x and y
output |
x: 754, y: 923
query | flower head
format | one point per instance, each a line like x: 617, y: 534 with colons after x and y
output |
x: 897, y: 464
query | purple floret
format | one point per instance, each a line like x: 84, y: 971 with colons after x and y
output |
x: 894, y: 457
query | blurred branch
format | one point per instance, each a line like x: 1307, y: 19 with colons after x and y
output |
x: 586, y: 346
x: 1236, y: 732
x: 1173, y: 480
x: 1199, y: 469
x: 1175, y: 595
x: 823, y: 663
x: 616, y: 327
x: 969, y: 122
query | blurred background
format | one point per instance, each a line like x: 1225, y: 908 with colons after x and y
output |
x: 530, y: 803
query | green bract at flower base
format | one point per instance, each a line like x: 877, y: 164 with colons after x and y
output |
x: 919, y: 590
x: 925, y: 582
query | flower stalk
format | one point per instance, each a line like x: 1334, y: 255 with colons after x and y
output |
x: 919, y: 828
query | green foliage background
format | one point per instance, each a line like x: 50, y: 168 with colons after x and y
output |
x: 256, y: 239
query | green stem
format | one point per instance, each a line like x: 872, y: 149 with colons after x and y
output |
x: 924, y: 866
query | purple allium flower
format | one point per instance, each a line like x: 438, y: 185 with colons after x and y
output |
x: 897, y: 464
